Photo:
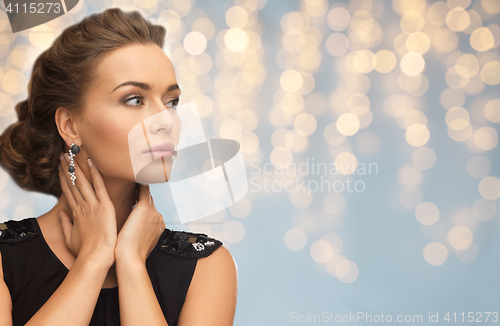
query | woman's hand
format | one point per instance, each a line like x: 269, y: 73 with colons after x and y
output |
x: 92, y: 232
x: 142, y: 229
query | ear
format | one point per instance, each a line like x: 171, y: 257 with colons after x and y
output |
x: 67, y: 125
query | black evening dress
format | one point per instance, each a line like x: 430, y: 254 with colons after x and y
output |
x: 33, y: 272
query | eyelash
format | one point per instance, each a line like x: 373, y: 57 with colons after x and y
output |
x: 176, y: 101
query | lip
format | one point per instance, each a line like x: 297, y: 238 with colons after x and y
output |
x: 162, y: 147
x: 165, y: 149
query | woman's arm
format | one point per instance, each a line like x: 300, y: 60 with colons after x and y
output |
x: 210, y: 301
x: 138, y: 302
x: 74, y: 301
x: 212, y: 294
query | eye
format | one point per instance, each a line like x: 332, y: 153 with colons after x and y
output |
x: 137, y: 99
x: 174, y: 103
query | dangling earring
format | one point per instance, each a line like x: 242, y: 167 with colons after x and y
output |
x: 75, y: 149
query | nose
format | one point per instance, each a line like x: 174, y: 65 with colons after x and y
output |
x: 163, y: 118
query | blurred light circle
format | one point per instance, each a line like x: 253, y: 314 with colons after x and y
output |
x: 412, y: 64
x: 460, y: 237
x: 14, y: 82
x: 412, y: 21
x: 457, y: 19
x: 492, y: 110
x: 427, y: 213
x: 305, y: 124
x: 338, y: 18
x: 491, y: 6
x: 417, y: 135
x: 321, y: 251
x: 343, y: 268
x: 295, y: 239
x: 291, y: 80
x: 489, y: 187
x: 337, y: 44
x: 467, y: 65
x: 385, y: 61
x: 348, y: 124
x: 484, y: 209
x: 435, y: 253
x: 481, y: 39
x: 490, y: 73
x: 332, y: 264
x: 479, y: 166
x: 347, y: 274
x: 335, y: 241
x: 424, y: 158
x: 281, y: 157
x: 414, y: 116
x: 464, y: 216
x: 486, y: 138
x: 363, y: 61
x: 236, y: 39
x: 195, y: 43
x: 457, y: 118
x: 236, y: 17
x: 346, y: 163
x: 418, y: 42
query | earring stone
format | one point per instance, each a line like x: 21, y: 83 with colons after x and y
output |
x: 75, y: 149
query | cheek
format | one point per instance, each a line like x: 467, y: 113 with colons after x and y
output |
x: 107, y: 144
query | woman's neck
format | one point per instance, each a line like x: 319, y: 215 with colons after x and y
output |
x: 122, y: 194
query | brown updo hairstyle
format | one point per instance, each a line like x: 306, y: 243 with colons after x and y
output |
x: 61, y: 76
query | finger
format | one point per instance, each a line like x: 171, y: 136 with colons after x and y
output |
x: 67, y: 227
x: 83, y: 184
x: 99, y: 186
x: 66, y: 189
x: 74, y: 189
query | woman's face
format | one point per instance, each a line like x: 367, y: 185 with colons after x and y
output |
x: 130, y: 108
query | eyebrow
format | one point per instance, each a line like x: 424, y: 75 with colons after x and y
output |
x: 146, y: 86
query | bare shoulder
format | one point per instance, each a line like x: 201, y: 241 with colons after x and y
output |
x: 220, y: 261
x: 215, y: 276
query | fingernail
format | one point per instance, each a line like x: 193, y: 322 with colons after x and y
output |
x: 59, y: 166
x: 59, y: 216
x: 89, y: 162
x: 61, y: 157
x: 67, y: 157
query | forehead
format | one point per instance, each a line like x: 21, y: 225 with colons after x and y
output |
x: 144, y: 63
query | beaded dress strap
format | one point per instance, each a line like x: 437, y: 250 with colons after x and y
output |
x: 13, y: 232
x: 188, y: 245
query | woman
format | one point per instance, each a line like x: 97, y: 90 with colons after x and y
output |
x: 108, y: 259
